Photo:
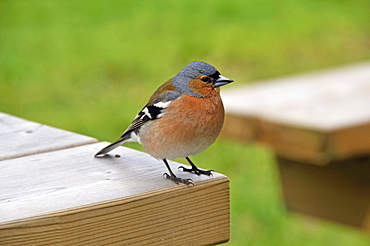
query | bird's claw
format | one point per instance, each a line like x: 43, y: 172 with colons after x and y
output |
x: 196, y: 171
x: 177, y: 180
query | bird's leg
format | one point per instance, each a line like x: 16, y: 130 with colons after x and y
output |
x: 195, y: 170
x: 172, y: 176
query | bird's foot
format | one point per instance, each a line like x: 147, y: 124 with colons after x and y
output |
x: 177, y: 180
x: 196, y: 171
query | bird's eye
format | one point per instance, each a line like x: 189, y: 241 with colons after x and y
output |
x: 205, y: 79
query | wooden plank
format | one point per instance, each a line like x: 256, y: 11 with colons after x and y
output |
x: 305, y: 145
x: 19, y: 137
x: 313, y: 118
x: 351, y: 141
x: 68, y: 197
x: 339, y: 191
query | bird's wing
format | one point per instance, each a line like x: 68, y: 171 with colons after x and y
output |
x: 151, y: 111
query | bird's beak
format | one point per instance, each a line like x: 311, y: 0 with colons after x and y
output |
x: 222, y: 80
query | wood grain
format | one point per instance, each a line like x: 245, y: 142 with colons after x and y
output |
x: 19, y: 137
x: 68, y: 197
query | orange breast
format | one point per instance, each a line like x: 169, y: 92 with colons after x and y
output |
x: 188, y: 127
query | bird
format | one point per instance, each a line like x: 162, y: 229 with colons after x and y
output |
x: 182, y: 118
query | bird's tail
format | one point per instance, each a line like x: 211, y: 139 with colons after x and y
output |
x: 112, y: 146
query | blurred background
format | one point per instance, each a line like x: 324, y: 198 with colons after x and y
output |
x: 90, y: 66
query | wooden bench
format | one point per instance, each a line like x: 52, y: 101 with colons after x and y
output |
x: 53, y: 191
x: 319, y: 127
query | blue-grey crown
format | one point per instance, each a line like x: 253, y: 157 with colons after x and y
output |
x: 195, y: 69
x: 192, y: 71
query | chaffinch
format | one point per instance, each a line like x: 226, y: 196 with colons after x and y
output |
x: 182, y: 118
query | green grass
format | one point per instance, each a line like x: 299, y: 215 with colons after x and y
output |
x: 89, y: 66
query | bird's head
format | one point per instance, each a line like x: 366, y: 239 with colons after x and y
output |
x: 197, y: 77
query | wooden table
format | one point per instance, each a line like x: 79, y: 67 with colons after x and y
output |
x: 53, y: 191
x: 319, y: 127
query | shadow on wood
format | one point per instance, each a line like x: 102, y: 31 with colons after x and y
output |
x: 338, y: 191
